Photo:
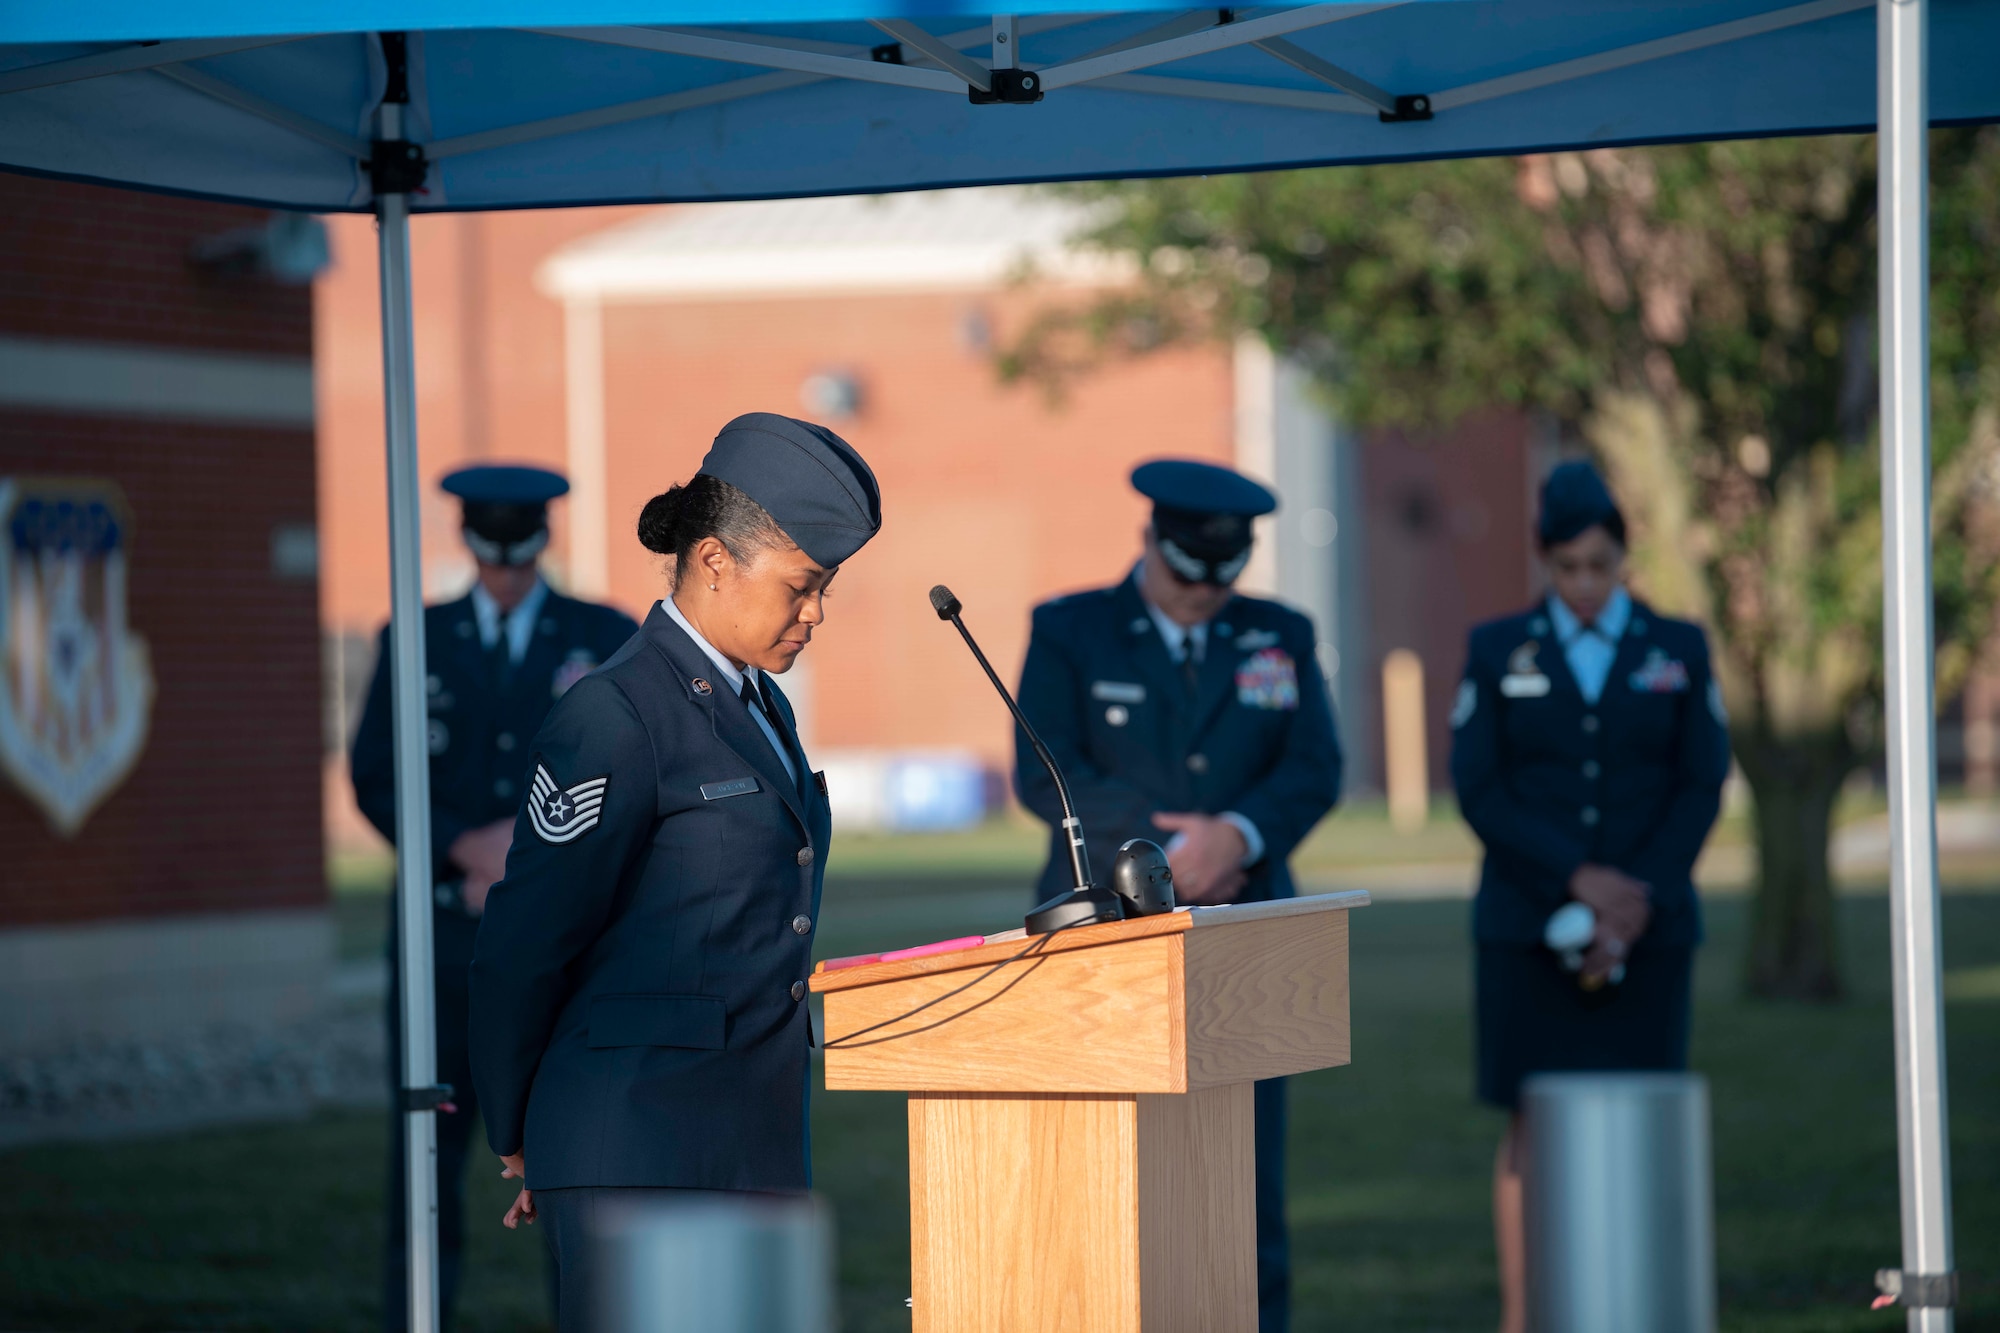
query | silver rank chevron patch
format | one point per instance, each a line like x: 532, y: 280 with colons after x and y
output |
x: 564, y: 814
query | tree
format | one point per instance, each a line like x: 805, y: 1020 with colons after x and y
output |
x: 1702, y: 317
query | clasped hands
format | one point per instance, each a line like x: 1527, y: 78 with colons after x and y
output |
x: 1208, y: 862
x: 482, y: 854
x: 1624, y: 908
x: 514, y: 1166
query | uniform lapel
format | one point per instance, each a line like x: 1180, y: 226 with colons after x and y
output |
x: 536, y: 671
x: 1550, y: 655
x: 1142, y: 638
x: 789, y: 728
x: 728, y: 717
x: 467, y: 653
x: 819, y: 811
x: 1218, y: 668
x: 1553, y: 659
x: 1632, y: 646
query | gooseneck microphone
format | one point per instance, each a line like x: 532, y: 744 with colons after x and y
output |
x: 1086, y: 902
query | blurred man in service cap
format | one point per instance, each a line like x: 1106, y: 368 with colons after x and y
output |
x: 497, y: 659
x: 1185, y: 712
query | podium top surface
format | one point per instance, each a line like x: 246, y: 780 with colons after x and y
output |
x: 1000, y: 948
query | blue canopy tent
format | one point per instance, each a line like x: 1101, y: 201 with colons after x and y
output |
x: 328, y: 106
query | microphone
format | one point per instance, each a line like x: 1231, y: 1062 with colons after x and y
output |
x: 1086, y: 903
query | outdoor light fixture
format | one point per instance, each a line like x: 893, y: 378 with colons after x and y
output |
x: 831, y: 395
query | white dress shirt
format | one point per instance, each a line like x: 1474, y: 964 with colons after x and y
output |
x: 1181, y: 641
x: 731, y: 675
x: 1590, y: 649
x: 519, y: 623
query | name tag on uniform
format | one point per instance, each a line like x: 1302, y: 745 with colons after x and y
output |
x: 1251, y: 641
x: 1524, y: 678
x: 1118, y: 691
x: 1524, y: 687
x: 716, y: 791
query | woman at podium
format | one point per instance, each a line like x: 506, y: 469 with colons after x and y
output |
x: 639, y: 979
x: 1589, y: 749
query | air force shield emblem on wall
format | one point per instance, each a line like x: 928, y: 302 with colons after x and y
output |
x: 76, y: 685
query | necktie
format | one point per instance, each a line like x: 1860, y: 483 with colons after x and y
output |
x: 500, y: 659
x: 1190, y: 668
x: 753, y: 697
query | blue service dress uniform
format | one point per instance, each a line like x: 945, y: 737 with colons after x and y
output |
x: 483, y: 711
x: 1253, y: 734
x: 639, y: 986
x: 1550, y: 781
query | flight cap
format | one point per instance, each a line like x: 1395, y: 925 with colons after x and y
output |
x: 811, y: 482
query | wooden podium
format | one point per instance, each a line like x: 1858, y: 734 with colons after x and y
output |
x: 1080, y: 1110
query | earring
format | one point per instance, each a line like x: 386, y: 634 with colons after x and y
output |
x: 711, y: 587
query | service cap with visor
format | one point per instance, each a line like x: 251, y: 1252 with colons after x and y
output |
x: 1202, y: 516
x: 506, y: 510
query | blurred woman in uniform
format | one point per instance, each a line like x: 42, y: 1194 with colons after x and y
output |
x: 1589, y: 749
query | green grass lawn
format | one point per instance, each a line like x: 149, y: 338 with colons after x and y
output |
x: 278, y: 1227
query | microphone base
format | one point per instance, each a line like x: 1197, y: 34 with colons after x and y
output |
x: 1078, y: 907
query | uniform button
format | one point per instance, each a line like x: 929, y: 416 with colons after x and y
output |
x: 798, y: 990
x: 1589, y: 815
x: 802, y: 924
x: 1197, y: 763
x: 1590, y: 769
x: 805, y: 856
x: 1590, y: 723
x: 505, y: 740
x: 503, y: 788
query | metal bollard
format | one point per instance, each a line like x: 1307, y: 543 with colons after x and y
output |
x: 717, y: 1263
x: 1620, y: 1204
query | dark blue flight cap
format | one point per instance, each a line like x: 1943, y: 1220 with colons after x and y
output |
x: 810, y: 481
x: 506, y: 509
x: 1202, y: 516
x: 1575, y: 500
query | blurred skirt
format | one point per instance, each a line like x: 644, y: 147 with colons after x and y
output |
x: 1531, y: 1017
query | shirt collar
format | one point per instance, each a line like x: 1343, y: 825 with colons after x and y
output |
x: 727, y: 669
x: 1172, y: 632
x: 486, y: 612
x: 1610, y: 625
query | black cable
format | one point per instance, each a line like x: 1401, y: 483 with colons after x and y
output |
x: 1015, y: 957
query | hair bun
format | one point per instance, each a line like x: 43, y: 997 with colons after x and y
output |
x: 660, y: 520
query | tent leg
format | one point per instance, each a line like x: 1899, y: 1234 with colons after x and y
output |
x: 413, y: 820
x: 1924, y: 1149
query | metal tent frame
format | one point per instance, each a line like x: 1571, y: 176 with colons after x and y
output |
x: 914, y: 58
x: 395, y: 162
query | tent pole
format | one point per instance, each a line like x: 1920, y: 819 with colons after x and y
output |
x: 1924, y: 1150
x: 413, y: 813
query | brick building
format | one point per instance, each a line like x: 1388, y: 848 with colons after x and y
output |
x: 159, y: 702
x: 612, y: 343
